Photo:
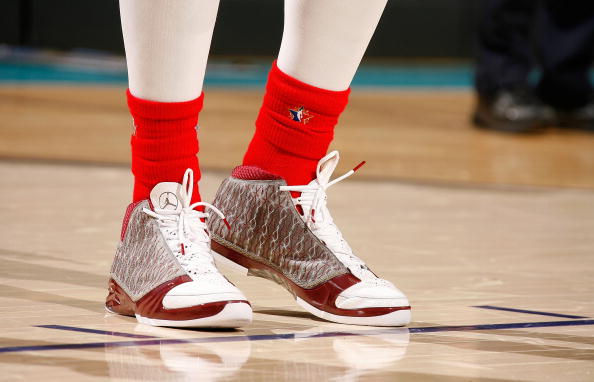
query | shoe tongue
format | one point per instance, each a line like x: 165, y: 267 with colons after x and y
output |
x: 165, y: 196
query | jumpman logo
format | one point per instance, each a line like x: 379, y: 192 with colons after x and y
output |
x: 167, y: 199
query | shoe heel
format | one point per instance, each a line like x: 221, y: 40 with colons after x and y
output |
x: 229, y: 264
x: 117, y: 301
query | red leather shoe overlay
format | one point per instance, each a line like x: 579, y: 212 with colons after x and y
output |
x: 151, y: 305
x: 323, y: 297
x: 117, y: 300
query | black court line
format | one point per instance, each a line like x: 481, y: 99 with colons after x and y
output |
x: 528, y: 311
x: 290, y: 336
x: 95, y: 331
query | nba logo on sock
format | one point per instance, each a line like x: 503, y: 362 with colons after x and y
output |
x: 299, y: 114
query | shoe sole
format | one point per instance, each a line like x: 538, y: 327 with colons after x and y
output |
x: 399, y: 317
x: 233, y: 315
x: 218, y: 314
x: 396, y: 318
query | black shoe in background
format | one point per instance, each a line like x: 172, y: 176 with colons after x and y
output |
x: 581, y: 118
x: 513, y: 111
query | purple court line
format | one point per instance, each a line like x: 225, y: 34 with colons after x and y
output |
x: 95, y: 331
x: 528, y: 311
x: 289, y: 336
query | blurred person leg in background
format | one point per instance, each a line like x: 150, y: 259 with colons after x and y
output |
x: 506, y: 101
x: 565, y: 38
x: 518, y: 36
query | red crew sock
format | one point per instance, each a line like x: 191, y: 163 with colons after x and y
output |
x: 294, y: 128
x: 164, y: 144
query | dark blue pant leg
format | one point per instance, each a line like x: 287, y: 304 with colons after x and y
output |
x: 506, y: 48
x: 566, y: 47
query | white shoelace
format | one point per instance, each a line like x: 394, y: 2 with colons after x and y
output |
x: 313, y: 201
x: 186, y: 232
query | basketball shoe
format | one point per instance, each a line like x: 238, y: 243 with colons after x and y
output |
x: 294, y: 242
x: 163, y: 272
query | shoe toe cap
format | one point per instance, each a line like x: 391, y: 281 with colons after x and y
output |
x: 367, y: 295
x: 194, y: 293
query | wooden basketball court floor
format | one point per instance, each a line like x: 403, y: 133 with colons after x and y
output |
x: 491, y: 237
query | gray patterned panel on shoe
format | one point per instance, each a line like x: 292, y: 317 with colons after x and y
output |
x: 143, y: 260
x: 266, y: 227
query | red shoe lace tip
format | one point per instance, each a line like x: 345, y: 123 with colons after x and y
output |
x: 313, y: 212
x: 227, y: 224
x: 359, y: 165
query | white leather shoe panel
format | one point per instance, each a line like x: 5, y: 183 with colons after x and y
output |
x: 196, y: 293
x: 192, y: 288
x: 367, y: 302
x: 367, y: 295
x: 174, y: 302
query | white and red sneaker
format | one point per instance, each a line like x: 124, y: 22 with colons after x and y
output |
x: 163, y: 272
x: 295, y: 242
